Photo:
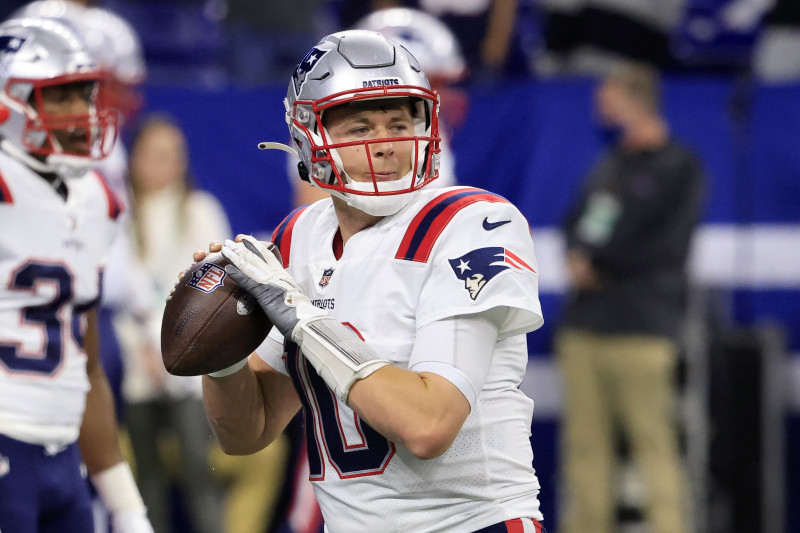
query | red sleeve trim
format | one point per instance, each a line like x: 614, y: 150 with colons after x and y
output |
x: 5, y: 192
x: 282, y: 236
x: 115, y: 205
x: 430, y: 222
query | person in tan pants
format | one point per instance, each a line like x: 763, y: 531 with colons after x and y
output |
x: 625, y: 381
x: 627, y: 238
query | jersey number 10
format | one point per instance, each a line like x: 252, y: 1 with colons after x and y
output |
x: 324, y: 431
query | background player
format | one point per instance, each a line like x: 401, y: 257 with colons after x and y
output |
x: 414, y: 401
x: 59, y: 222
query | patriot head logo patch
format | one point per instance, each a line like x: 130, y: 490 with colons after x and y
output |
x: 478, y: 267
x: 9, y: 45
x: 326, y: 277
x: 306, y: 66
x: 207, y: 278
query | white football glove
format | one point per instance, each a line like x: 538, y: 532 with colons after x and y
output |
x: 335, y: 351
x: 260, y: 273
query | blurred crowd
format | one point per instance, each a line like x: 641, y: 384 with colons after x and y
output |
x: 214, y: 43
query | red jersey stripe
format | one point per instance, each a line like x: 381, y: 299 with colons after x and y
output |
x: 282, y: 236
x: 115, y: 206
x: 516, y: 259
x: 5, y: 192
x: 515, y: 526
x: 431, y: 221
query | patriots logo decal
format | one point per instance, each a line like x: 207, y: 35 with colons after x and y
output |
x: 306, y: 66
x: 478, y: 267
x: 9, y: 44
x: 207, y: 278
x: 326, y: 277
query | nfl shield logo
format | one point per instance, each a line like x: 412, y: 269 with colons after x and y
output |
x: 207, y: 278
x: 326, y: 277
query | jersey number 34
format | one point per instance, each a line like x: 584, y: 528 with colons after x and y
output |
x: 49, y: 317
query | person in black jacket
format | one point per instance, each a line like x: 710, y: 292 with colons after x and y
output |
x: 627, y: 240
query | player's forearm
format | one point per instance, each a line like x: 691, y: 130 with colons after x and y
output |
x: 245, y: 415
x: 422, y: 412
x: 99, y: 438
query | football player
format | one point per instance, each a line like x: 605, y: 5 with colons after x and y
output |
x: 58, y: 219
x: 408, y: 374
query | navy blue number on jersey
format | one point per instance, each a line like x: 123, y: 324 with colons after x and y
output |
x: 47, y: 316
x: 324, y: 430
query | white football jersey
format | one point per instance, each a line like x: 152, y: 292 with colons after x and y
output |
x: 453, y: 251
x: 51, y: 255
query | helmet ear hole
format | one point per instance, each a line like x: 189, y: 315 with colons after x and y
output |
x: 5, y: 114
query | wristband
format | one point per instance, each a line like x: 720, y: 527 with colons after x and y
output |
x: 234, y: 368
x: 118, y: 489
x: 339, y: 356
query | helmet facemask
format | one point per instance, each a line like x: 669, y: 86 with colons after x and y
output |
x: 87, y: 135
x: 358, y: 68
x: 374, y: 196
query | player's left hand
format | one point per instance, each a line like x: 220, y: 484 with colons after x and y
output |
x: 259, y: 272
x: 131, y: 521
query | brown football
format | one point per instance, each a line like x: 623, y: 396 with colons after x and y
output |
x: 210, y: 323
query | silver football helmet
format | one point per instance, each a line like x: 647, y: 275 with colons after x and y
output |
x: 352, y: 66
x: 35, y: 55
x: 429, y: 39
x: 111, y: 40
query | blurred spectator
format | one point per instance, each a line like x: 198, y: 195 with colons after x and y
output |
x: 254, y: 486
x: 627, y: 242
x: 591, y: 36
x: 171, y: 219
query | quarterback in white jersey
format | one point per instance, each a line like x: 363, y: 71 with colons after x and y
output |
x: 400, y: 314
x: 58, y: 219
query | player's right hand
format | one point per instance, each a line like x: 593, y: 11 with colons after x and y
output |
x: 259, y: 272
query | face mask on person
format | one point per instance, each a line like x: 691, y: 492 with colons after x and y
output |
x: 609, y: 134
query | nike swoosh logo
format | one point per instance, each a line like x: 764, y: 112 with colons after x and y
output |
x: 489, y: 226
